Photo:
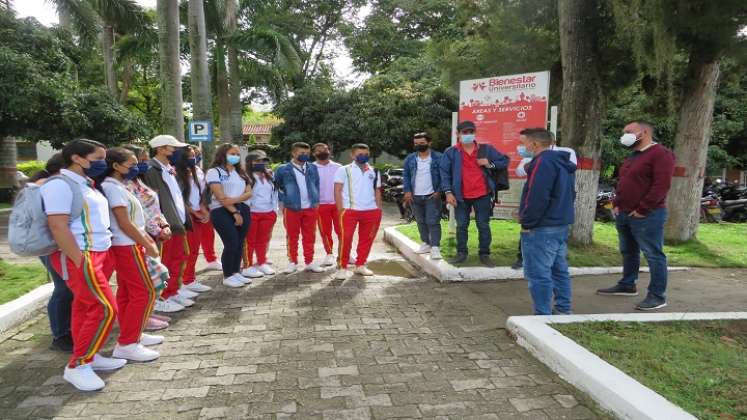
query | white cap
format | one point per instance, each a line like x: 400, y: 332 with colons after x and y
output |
x: 165, y: 140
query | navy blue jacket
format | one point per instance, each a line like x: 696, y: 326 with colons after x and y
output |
x: 411, y: 169
x: 289, y: 194
x: 549, y: 193
x: 451, y: 169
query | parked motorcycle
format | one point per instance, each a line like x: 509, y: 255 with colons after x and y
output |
x: 710, y: 209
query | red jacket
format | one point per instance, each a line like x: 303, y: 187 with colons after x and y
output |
x: 644, y: 180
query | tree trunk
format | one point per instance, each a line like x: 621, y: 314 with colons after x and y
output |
x: 172, y: 116
x: 107, y: 47
x: 127, y: 73
x: 224, y: 101
x: 691, y: 148
x: 201, y: 100
x: 582, y: 107
x: 234, y: 77
x: 8, y: 159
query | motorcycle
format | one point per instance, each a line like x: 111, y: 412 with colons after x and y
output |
x: 710, y: 209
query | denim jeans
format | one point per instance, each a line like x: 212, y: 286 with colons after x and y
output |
x: 427, y: 211
x: 545, y: 252
x: 233, y: 236
x: 483, y: 210
x: 645, y: 235
x: 59, y: 307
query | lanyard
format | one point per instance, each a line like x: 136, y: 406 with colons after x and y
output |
x: 301, y: 171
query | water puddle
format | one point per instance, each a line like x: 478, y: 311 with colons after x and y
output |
x: 391, y: 268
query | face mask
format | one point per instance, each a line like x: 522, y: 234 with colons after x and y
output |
x: 132, y: 173
x: 421, y: 147
x: 468, y: 138
x: 259, y: 167
x: 629, y: 140
x: 142, y: 167
x: 199, y: 159
x: 233, y: 159
x: 523, y: 152
x: 362, y: 159
x: 192, y: 162
x: 322, y: 156
x: 303, y: 157
x: 97, y: 168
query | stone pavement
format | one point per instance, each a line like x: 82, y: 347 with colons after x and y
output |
x: 305, y: 346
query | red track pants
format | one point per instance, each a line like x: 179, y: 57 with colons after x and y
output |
x: 367, y: 222
x: 258, y: 238
x: 174, y: 255
x: 94, y: 308
x: 135, y: 292
x: 195, y: 238
x: 297, y: 223
x: 327, y: 220
x: 207, y: 240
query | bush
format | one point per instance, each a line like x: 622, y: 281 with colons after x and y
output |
x: 31, y: 167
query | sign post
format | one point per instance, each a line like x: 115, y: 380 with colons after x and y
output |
x: 200, y: 131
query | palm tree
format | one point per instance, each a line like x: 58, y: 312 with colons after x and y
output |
x: 172, y: 116
x: 201, y: 99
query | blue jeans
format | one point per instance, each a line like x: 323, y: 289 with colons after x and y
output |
x: 545, y: 252
x: 59, y: 307
x: 233, y: 236
x: 645, y: 235
x: 483, y: 210
x: 427, y: 211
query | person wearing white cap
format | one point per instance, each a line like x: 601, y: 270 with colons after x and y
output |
x: 161, y: 177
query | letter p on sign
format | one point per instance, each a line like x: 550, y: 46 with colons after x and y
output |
x: 200, y: 131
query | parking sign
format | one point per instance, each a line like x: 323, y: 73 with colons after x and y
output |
x: 200, y: 131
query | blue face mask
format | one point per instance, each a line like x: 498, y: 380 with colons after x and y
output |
x: 259, y: 167
x: 192, y: 162
x: 303, y: 157
x: 97, y: 168
x: 233, y: 159
x: 468, y: 138
x: 199, y: 159
x: 362, y: 159
x: 142, y: 167
x: 175, y: 156
x: 132, y: 173
x: 523, y: 152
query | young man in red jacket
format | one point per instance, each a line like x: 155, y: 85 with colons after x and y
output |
x: 640, y: 209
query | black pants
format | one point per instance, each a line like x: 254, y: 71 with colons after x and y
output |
x: 233, y: 236
x: 519, y: 257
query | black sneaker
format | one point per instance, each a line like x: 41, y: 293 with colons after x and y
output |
x: 486, y: 261
x: 651, y: 303
x: 557, y: 312
x: 458, y: 259
x: 517, y: 265
x: 64, y: 344
x: 618, y: 290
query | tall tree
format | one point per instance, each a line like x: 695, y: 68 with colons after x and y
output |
x: 200, y: 78
x: 234, y: 75
x: 171, y: 73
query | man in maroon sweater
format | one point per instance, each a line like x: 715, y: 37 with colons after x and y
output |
x: 640, y: 209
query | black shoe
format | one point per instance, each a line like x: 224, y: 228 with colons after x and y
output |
x: 518, y: 265
x: 486, y: 261
x: 458, y: 259
x: 64, y: 344
x: 557, y: 312
x: 650, y: 303
x: 618, y: 290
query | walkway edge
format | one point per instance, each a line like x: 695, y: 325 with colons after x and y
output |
x: 611, y: 388
x: 445, y: 272
x: 24, y: 307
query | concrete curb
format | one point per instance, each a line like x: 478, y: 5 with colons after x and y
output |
x: 612, y: 389
x: 23, y: 308
x: 8, y: 210
x: 445, y: 272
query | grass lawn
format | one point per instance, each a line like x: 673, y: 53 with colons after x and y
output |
x: 17, y: 279
x: 700, y: 366
x: 6, y: 205
x: 718, y: 245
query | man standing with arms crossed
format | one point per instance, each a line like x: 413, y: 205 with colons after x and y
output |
x: 640, y: 213
x: 328, y: 217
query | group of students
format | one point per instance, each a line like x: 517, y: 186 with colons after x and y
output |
x: 146, y: 214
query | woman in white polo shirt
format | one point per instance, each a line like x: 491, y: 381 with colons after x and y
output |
x: 229, y: 188
x: 84, y: 240
x: 264, y: 207
x: 136, y: 294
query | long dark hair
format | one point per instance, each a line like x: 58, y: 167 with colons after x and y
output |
x: 184, y: 172
x: 81, y: 147
x: 114, y: 155
x: 219, y: 160
x: 249, y: 164
x: 52, y: 168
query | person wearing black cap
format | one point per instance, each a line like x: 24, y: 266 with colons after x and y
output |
x: 468, y: 185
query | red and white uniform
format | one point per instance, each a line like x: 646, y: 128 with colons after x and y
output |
x: 301, y: 222
x: 359, y: 210
x: 264, y: 207
x: 328, y: 219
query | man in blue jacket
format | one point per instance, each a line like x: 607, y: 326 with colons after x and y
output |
x: 422, y: 186
x: 298, y: 187
x: 466, y: 180
x: 545, y: 212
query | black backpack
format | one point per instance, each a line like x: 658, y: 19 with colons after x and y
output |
x: 498, y: 175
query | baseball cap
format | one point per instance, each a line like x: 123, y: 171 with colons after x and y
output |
x: 165, y: 140
x: 466, y: 125
x: 257, y: 155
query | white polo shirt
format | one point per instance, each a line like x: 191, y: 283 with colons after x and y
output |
x: 358, y: 186
x: 176, y: 192
x: 423, y: 179
x: 264, y: 197
x: 233, y: 184
x: 118, y: 196
x: 91, y: 228
x: 300, y: 172
x: 196, y: 190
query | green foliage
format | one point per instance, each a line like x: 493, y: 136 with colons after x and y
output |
x: 31, y: 167
x: 17, y: 280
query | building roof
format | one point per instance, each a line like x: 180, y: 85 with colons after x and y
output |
x: 258, y: 129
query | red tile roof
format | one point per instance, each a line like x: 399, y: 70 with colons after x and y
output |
x: 258, y: 129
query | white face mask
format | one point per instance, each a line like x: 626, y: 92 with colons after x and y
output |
x: 628, y: 139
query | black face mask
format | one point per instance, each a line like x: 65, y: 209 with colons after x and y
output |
x: 322, y: 156
x: 421, y: 147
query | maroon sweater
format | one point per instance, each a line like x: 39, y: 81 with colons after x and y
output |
x: 644, y: 180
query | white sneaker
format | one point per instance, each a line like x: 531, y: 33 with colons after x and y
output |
x: 266, y: 270
x: 342, y: 274
x: 424, y: 249
x: 168, y: 306
x: 314, y: 268
x: 151, y: 339
x: 186, y: 293
x: 241, y: 278
x: 214, y: 266
x: 252, y: 273
x: 198, y: 287
x: 181, y: 300
x: 83, y: 378
x: 363, y: 271
x: 292, y: 268
x: 435, y: 253
x: 107, y: 363
x: 329, y: 260
x: 232, y: 282
x: 135, y: 352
